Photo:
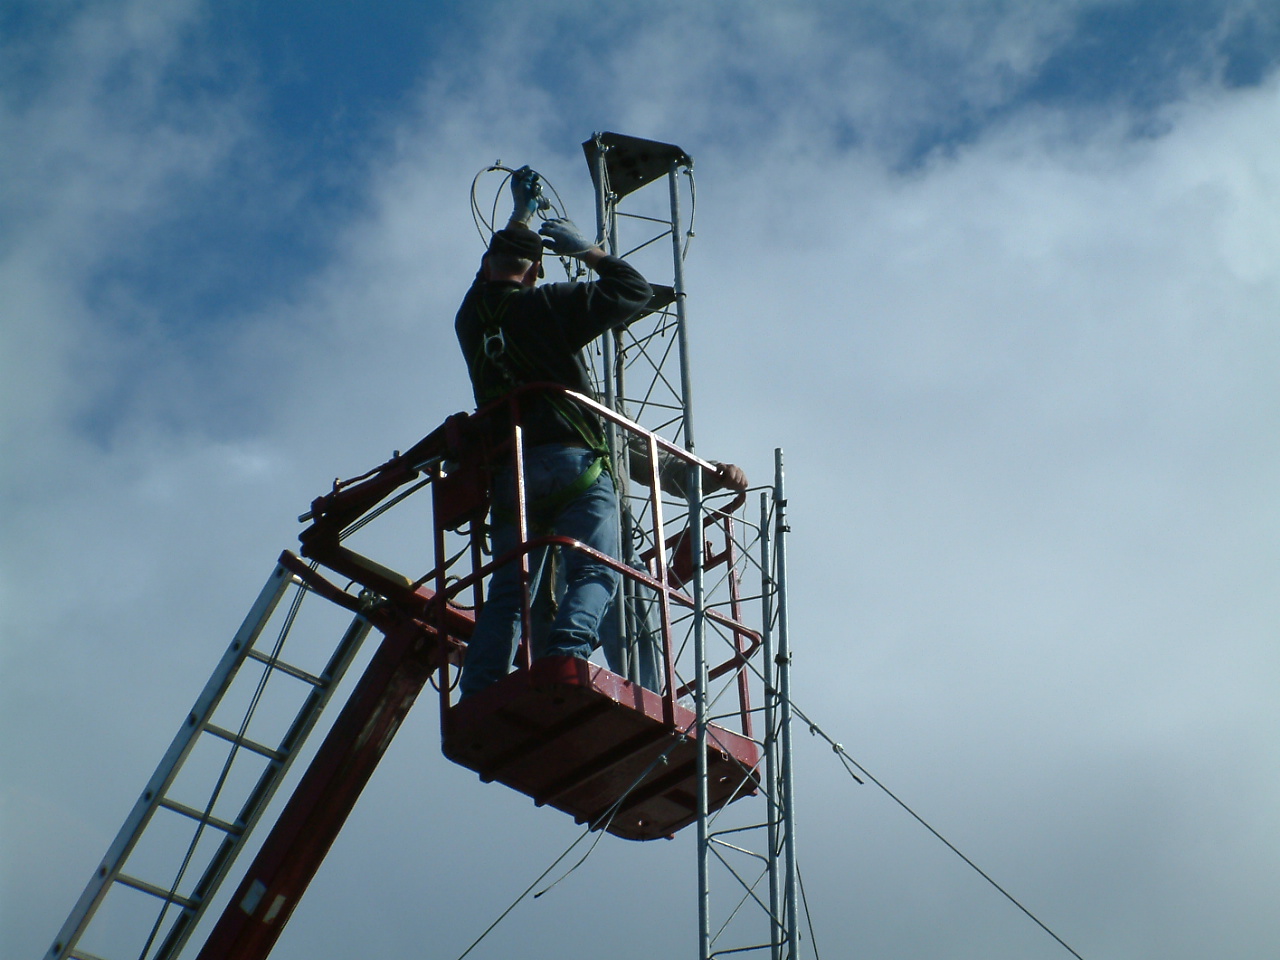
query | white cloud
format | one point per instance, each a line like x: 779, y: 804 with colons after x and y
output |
x: 95, y: 156
x: 1026, y: 394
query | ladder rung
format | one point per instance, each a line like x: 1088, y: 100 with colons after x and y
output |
x: 246, y: 743
x: 158, y: 892
x: 201, y: 816
x: 286, y: 668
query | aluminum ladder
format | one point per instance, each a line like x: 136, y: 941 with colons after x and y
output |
x: 219, y: 774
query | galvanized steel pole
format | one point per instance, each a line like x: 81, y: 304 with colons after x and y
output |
x: 607, y: 237
x: 768, y: 587
x: 695, y: 533
x: 686, y: 380
x: 701, y: 701
x: 787, y: 786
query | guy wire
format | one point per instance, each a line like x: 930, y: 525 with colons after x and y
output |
x: 845, y: 758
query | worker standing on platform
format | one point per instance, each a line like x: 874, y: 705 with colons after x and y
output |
x: 513, y: 332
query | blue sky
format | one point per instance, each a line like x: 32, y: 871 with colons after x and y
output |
x: 325, y: 87
x: 1000, y: 276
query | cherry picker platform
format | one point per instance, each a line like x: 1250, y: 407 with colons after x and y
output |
x: 584, y: 740
x: 565, y: 732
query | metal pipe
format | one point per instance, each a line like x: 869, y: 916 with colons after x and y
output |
x: 701, y: 701
x: 787, y: 785
x: 664, y: 597
x: 607, y: 235
x: 604, y: 216
x: 767, y: 587
x: 597, y: 176
x: 626, y: 611
x: 525, y: 651
x: 699, y: 601
x: 686, y: 379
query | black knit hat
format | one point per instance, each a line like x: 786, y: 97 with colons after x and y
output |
x: 520, y: 242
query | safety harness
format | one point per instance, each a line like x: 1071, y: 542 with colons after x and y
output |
x: 498, y: 367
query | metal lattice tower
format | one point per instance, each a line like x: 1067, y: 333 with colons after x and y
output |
x: 747, y: 887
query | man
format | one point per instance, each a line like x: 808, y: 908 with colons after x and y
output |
x: 512, y: 332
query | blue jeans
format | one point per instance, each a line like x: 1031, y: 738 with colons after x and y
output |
x: 640, y: 658
x: 592, y: 518
x: 645, y: 653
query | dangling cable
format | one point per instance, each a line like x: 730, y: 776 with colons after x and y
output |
x: 603, y: 822
x: 693, y: 212
x: 489, y: 929
x: 583, y: 859
x: 600, y: 826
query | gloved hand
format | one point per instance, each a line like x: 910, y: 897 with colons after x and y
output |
x: 566, y: 239
x: 526, y: 191
x: 728, y: 476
